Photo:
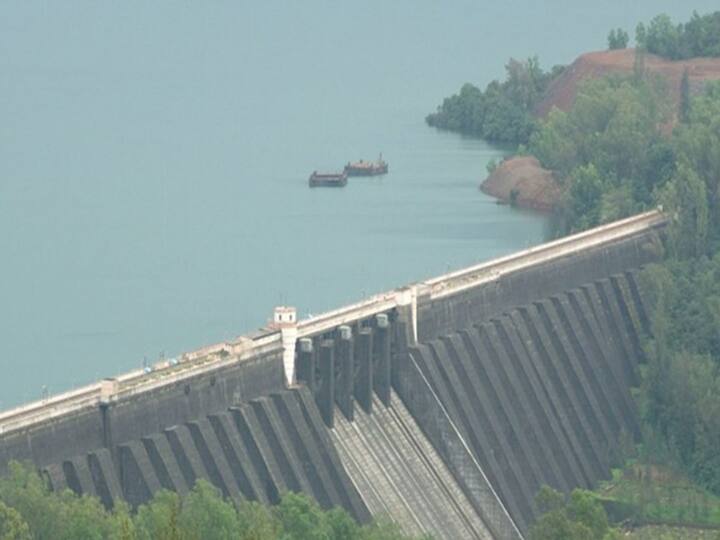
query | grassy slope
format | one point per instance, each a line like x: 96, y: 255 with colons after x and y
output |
x: 663, y: 532
x: 644, y: 494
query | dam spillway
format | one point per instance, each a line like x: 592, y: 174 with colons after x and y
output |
x: 398, y: 473
x: 444, y: 405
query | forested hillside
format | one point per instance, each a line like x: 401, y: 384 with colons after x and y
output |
x: 621, y: 148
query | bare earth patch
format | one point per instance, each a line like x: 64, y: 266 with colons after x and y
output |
x: 562, y: 91
x: 523, y: 182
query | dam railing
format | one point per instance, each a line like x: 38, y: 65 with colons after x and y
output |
x: 215, y: 356
x: 454, y: 282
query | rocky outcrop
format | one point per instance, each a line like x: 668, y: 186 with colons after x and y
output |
x: 522, y: 181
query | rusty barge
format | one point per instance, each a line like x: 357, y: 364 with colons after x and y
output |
x: 367, y: 168
x: 328, y: 179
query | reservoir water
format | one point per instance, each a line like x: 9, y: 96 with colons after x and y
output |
x: 154, y: 161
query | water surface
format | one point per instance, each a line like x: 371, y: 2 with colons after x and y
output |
x: 154, y: 160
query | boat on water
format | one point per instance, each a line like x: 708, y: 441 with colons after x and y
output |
x: 336, y: 179
x: 367, y: 168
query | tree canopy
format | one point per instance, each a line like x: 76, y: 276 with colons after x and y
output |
x: 618, y: 39
x: 581, y: 517
x: 29, y: 510
x: 700, y: 36
x: 503, y: 112
x: 608, y: 151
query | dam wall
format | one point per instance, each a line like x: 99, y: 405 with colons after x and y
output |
x: 139, y: 403
x: 432, y: 418
x: 460, y: 299
x: 254, y: 450
x: 541, y: 393
x: 347, y: 441
x: 477, y: 387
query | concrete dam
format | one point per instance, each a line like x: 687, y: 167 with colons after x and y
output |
x: 444, y: 405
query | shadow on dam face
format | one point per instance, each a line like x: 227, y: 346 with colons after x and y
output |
x: 446, y: 412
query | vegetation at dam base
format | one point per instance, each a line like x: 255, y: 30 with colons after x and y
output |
x: 640, y: 501
x: 651, y: 494
x: 580, y: 517
x: 29, y: 510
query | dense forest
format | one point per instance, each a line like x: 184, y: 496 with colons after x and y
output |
x: 608, y: 152
x: 29, y: 510
x: 503, y: 112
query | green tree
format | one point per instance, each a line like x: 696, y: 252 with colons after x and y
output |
x: 62, y: 515
x: 28, y: 509
x: 685, y: 198
x: 618, y: 39
x: 557, y: 526
x: 700, y: 36
x: 341, y: 525
x: 383, y: 529
x: 585, y: 509
x: 586, y: 192
x: 608, y: 151
x: 555, y: 144
x: 256, y: 522
x: 206, y: 516
x: 618, y: 202
x: 641, y: 36
x: 122, y: 526
x: 159, y: 519
x: 12, y: 525
x: 680, y: 394
x: 501, y: 113
x: 697, y: 143
x: 301, y: 518
x: 685, y: 96
x: 549, y: 500
x: 24, y: 490
x: 83, y: 517
x: 580, y: 518
x: 663, y: 37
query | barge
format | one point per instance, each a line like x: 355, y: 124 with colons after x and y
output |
x: 367, y: 168
x: 328, y: 179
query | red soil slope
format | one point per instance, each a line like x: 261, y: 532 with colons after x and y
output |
x: 534, y: 186
x: 563, y: 90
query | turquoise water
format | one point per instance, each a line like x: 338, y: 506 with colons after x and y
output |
x: 154, y: 160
